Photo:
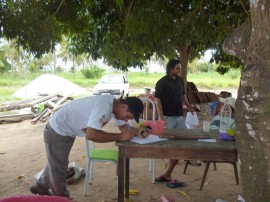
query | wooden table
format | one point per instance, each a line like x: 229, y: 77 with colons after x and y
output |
x: 172, y: 149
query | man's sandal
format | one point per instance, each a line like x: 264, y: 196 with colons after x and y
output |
x: 175, y: 184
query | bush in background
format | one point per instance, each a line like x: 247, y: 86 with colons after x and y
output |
x: 93, y: 72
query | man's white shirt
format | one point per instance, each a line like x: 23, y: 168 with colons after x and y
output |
x: 93, y: 112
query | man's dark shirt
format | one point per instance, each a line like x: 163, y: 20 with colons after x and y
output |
x: 170, y: 92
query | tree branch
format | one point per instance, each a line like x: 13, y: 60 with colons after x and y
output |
x: 237, y: 41
x: 59, y: 7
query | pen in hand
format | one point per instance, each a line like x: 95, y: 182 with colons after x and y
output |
x: 142, y: 134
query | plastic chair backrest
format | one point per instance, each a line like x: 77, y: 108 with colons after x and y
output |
x: 147, y: 102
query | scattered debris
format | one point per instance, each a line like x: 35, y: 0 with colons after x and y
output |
x: 20, y: 176
x: 167, y: 198
x: 207, y: 182
x: 220, y: 200
x: 24, y: 103
x: 240, y: 198
x: 133, y: 191
x: 82, y: 157
x: 50, y: 106
x: 38, y: 110
x: 183, y: 193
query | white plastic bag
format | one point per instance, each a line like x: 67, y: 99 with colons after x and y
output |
x: 192, y: 120
x: 74, y: 172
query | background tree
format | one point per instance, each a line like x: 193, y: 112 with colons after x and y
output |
x: 11, y: 51
x: 4, y: 65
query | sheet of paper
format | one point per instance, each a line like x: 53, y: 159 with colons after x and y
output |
x: 151, y: 138
x: 207, y: 140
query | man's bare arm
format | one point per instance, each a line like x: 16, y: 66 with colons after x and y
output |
x: 102, y: 136
x: 188, y: 104
x: 159, y: 108
x: 135, y: 131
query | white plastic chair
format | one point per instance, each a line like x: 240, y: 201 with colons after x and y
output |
x: 97, y: 155
x: 147, y: 102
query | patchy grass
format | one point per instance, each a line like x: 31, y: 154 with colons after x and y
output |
x: 10, y: 82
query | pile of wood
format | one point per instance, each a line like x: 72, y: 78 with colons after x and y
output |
x: 196, y: 97
x: 41, y: 109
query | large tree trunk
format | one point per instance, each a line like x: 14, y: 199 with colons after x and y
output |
x: 184, y: 56
x: 253, y: 101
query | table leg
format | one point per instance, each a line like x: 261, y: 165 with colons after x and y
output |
x: 127, y: 178
x: 235, y: 172
x: 121, y: 174
x: 204, y: 174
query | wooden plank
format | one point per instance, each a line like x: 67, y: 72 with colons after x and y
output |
x: 39, y: 116
x: 24, y: 105
x: 10, y: 120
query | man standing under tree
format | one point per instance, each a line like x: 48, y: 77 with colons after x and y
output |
x: 170, y: 96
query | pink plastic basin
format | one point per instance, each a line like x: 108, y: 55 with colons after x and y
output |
x: 157, y: 126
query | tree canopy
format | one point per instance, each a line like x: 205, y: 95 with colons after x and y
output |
x: 124, y: 33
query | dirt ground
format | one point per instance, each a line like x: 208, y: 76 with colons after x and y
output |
x: 22, y: 154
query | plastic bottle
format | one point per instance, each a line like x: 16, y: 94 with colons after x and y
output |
x: 225, y: 116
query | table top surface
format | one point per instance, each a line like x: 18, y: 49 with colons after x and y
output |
x: 174, y: 143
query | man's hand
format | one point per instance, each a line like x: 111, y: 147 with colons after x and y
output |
x: 126, y: 135
x: 144, y: 132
